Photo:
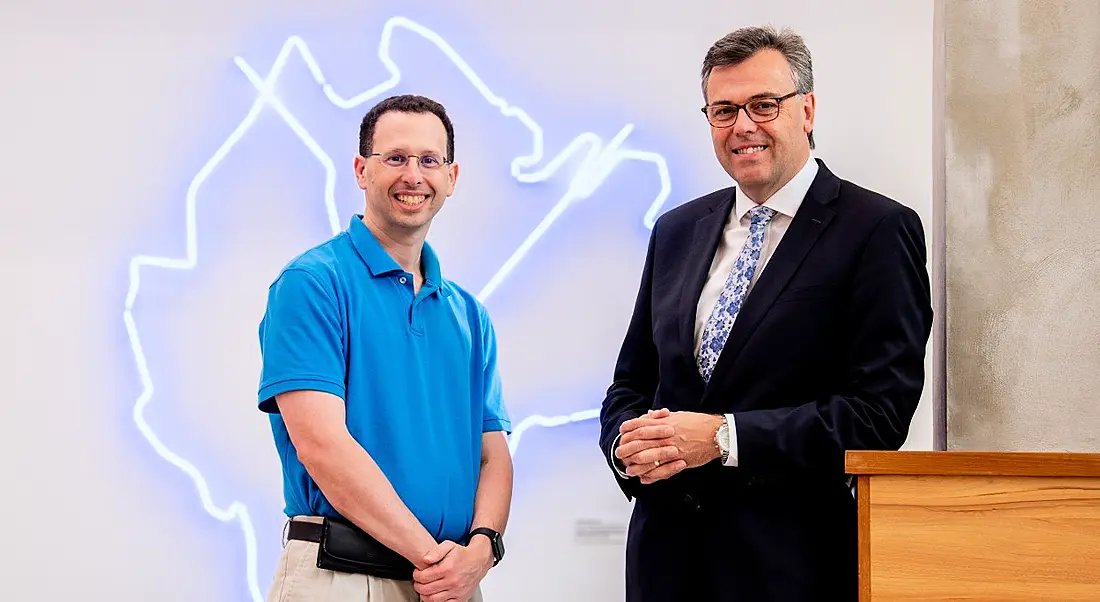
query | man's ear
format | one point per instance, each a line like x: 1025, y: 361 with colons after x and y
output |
x: 453, y: 178
x: 360, y: 167
x: 809, y: 110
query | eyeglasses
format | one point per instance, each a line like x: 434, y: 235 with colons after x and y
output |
x: 398, y: 160
x: 760, y: 110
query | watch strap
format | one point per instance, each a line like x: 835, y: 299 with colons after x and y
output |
x: 723, y: 441
x: 494, y: 541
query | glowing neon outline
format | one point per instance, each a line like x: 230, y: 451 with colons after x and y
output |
x: 597, y: 164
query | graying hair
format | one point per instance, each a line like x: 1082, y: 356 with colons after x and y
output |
x: 740, y: 45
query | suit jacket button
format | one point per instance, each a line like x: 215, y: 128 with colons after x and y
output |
x: 690, y: 502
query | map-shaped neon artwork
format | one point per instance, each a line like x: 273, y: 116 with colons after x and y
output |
x: 596, y: 159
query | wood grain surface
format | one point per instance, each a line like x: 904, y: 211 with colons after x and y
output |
x: 980, y: 538
x: 1023, y: 464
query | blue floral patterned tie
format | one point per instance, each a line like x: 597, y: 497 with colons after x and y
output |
x: 732, y: 297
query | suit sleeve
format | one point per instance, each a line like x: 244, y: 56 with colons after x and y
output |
x: 634, y: 382
x: 886, y: 327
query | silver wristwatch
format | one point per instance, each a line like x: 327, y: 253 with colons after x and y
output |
x: 722, y: 439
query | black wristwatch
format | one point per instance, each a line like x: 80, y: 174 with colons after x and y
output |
x: 496, y: 541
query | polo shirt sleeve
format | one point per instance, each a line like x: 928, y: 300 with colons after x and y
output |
x: 301, y: 339
x: 495, y: 416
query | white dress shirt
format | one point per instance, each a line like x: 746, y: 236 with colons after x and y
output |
x: 785, y: 202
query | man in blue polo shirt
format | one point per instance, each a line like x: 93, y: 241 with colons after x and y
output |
x: 380, y: 380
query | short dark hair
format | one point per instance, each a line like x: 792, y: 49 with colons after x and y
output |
x: 406, y: 103
x: 742, y: 44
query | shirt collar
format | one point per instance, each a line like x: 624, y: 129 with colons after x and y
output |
x: 787, y: 199
x: 379, y: 262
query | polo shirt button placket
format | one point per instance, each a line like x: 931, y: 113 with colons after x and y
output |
x: 415, y: 321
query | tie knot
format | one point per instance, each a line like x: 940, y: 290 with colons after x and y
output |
x: 761, y: 214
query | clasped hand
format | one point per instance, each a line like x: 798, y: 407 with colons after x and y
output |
x: 663, y: 443
x: 451, y: 573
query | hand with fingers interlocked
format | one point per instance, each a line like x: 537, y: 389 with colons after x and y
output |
x: 452, y: 572
x: 663, y: 443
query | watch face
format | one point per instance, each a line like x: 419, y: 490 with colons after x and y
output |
x: 496, y: 543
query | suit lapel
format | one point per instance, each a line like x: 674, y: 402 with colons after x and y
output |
x: 809, y: 222
x: 707, y: 233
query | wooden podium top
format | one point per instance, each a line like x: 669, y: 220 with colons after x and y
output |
x: 980, y: 526
x: 949, y: 463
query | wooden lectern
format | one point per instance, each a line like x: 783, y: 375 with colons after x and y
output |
x: 980, y: 527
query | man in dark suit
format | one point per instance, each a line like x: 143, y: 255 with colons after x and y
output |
x: 779, y: 323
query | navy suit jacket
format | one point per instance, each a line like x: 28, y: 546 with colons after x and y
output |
x: 826, y: 355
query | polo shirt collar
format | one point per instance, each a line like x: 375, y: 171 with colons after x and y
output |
x: 433, y: 277
x: 379, y: 262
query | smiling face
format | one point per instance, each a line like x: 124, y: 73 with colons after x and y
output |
x: 761, y: 157
x: 402, y: 197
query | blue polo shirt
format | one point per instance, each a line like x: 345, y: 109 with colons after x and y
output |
x: 417, y: 373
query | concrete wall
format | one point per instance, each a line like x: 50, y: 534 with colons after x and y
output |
x: 1023, y: 224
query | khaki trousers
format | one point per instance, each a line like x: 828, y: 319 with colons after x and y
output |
x: 297, y: 579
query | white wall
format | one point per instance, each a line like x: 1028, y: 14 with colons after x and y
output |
x: 109, y: 110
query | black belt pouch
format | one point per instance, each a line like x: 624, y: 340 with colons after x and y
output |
x: 348, y: 549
